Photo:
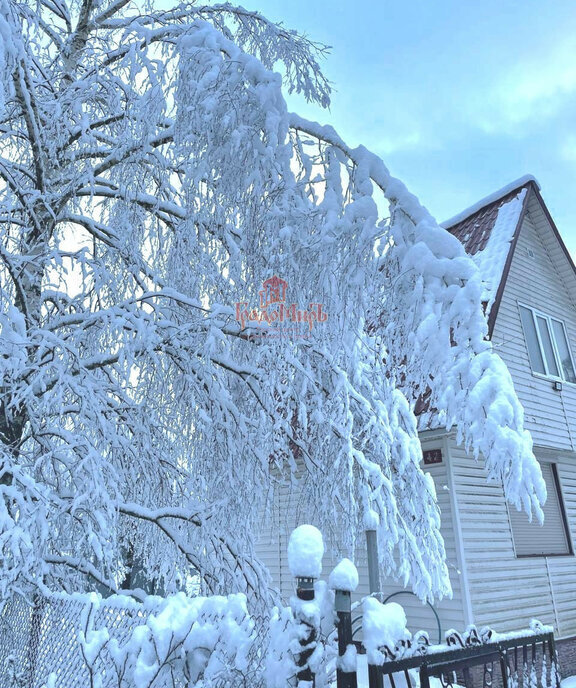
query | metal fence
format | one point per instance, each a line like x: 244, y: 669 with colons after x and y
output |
x: 43, y: 638
x: 527, y: 661
x: 40, y: 637
x: 82, y: 641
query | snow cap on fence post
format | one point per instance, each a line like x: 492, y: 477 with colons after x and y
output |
x: 305, y: 552
x: 343, y: 580
x: 344, y: 576
x: 384, y: 626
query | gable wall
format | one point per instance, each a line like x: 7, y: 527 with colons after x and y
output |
x: 550, y: 416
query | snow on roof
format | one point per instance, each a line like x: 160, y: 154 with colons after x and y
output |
x: 487, y: 229
x: 492, y: 259
x: 489, y: 200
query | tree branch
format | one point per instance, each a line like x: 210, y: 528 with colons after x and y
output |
x: 88, y: 569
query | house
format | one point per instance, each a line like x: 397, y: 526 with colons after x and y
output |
x: 505, y: 570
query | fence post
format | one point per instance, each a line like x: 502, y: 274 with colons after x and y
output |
x: 305, y: 592
x: 375, y: 678
x: 343, y: 608
x: 305, y: 552
x: 373, y: 565
x: 35, y: 637
x: 554, y: 668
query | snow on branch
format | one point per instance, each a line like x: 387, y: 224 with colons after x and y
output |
x: 153, y: 181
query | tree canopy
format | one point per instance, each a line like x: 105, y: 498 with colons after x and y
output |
x: 151, y: 178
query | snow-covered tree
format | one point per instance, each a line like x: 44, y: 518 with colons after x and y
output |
x: 151, y: 179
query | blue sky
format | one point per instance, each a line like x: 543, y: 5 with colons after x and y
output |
x: 459, y: 98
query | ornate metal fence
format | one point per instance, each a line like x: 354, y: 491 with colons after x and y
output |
x: 521, y: 661
x: 396, y: 659
x: 525, y: 659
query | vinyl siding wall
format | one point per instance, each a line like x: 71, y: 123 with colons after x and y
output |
x: 506, y: 592
x: 451, y: 610
x: 562, y: 570
x: 533, y: 281
x: 285, y: 517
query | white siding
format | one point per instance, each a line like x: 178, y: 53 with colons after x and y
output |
x: 271, y: 547
x: 274, y: 541
x: 563, y: 569
x: 507, y: 592
x: 534, y: 281
x: 273, y: 544
x: 450, y: 611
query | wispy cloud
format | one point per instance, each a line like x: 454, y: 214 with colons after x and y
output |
x: 386, y: 145
x: 536, y: 89
x: 568, y: 148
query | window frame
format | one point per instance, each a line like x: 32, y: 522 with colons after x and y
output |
x: 535, y: 312
x: 563, y: 518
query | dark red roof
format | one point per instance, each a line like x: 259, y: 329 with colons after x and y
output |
x: 474, y: 231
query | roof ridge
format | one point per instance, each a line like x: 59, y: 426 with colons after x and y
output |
x: 488, y: 200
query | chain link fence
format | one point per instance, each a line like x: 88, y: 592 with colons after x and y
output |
x: 75, y: 641
x: 40, y: 638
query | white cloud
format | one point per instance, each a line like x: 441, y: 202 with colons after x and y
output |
x: 568, y: 148
x: 533, y: 90
x: 386, y: 145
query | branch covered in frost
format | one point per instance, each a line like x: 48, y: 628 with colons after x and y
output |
x: 205, y: 640
x: 151, y: 180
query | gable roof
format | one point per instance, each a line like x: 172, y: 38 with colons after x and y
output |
x: 487, y: 203
x: 489, y: 231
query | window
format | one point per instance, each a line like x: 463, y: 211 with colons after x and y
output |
x: 547, y: 345
x: 534, y: 540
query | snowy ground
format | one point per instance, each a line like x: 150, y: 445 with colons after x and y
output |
x: 569, y: 682
x: 363, y: 672
x: 400, y: 681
